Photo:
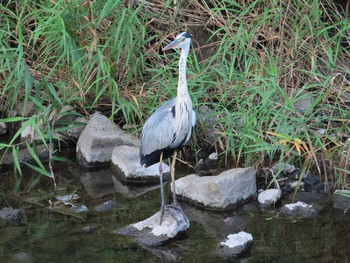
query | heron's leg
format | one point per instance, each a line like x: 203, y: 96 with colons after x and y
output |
x: 161, y: 180
x: 172, y: 172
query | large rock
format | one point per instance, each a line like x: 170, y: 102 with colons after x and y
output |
x: 235, y: 244
x: 222, y: 192
x: 98, y: 140
x: 150, y: 232
x: 126, y: 166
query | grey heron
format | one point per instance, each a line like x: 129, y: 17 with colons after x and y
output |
x: 171, y: 125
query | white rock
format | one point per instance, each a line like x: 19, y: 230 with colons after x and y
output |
x: 234, y: 240
x: 169, y: 227
x: 150, y: 232
x: 269, y: 197
x: 235, y: 244
x: 98, y: 140
x: 126, y: 165
x: 213, y: 156
x: 221, y: 192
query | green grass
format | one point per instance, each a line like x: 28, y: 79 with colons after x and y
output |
x: 264, y: 56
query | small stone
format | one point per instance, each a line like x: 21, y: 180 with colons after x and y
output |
x: 304, y: 103
x: 269, y: 197
x: 235, y: 244
x: 213, y: 156
x: 300, y: 209
x: 106, y: 206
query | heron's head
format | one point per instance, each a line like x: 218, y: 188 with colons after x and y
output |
x: 182, y: 40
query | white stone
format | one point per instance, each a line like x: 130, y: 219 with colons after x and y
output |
x: 239, y: 239
x: 221, y: 192
x: 169, y: 227
x: 269, y: 197
x: 213, y: 156
x: 126, y: 159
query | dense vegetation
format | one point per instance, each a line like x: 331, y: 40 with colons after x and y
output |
x: 252, y: 64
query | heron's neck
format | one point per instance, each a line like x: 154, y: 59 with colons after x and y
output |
x: 182, y: 86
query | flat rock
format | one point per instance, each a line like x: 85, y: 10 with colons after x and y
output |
x: 126, y: 166
x: 235, y: 244
x: 221, y: 192
x: 150, y: 232
x: 98, y: 140
x: 300, y: 209
x: 269, y: 197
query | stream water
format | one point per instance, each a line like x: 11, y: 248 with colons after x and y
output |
x: 47, y: 236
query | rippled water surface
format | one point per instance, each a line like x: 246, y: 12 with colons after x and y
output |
x: 48, y: 236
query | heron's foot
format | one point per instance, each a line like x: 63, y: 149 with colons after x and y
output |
x: 169, y: 209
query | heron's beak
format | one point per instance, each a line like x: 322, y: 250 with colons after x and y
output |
x: 171, y: 45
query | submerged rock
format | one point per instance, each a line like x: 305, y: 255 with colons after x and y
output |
x: 9, y: 214
x: 235, y: 244
x: 126, y: 166
x: 150, y: 232
x: 300, y: 209
x: 269, y: 197
x: 98, y: 140
x: 221, y: 192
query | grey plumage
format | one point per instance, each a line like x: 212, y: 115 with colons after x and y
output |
x: 171, y: 125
